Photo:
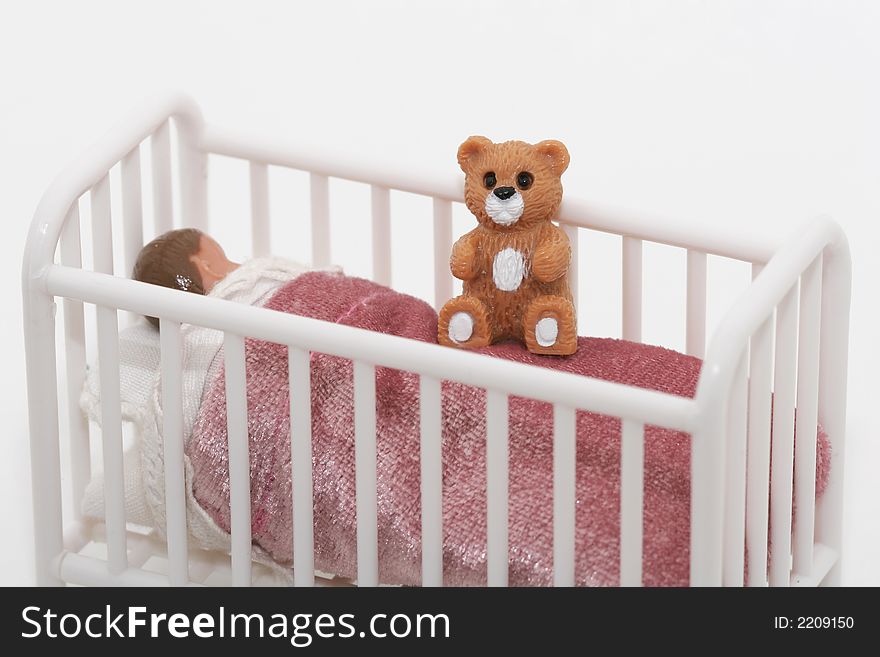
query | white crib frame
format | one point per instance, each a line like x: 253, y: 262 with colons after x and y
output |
x: 802, y: 286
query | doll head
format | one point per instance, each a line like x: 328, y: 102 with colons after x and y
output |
x: 512, y: 185
x: 184, y: 259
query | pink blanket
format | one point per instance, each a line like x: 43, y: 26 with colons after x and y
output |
x: 360, y: 303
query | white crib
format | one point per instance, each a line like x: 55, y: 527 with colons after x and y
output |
x: 787, y: 334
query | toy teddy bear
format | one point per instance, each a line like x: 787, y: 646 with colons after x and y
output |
x: 514, y: 264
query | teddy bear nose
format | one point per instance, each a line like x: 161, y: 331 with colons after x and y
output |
x: 504, y: 193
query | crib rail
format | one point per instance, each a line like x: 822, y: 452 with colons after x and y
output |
x: 815, y: 268
x: 501, y: 378
x: 473, y: 369
x: 574, y: 215
x: 729, y: 418
x: 57, y: 213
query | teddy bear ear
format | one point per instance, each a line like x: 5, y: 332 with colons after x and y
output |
x: 471, y: 147
x: 556, y: 152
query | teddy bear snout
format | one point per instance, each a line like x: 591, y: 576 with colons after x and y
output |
x: 504, y: 193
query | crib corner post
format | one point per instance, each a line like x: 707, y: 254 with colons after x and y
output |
x: 39, y: 336
x: 833, y: 356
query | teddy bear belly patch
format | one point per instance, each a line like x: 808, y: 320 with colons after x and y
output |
x: 508, y: 269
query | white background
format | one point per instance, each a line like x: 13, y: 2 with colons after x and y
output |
x: 755, y: 115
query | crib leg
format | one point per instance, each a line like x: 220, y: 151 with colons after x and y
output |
x: 833, y: 353
x: 39, y: 332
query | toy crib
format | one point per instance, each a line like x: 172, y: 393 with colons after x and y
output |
x: 787, y: 334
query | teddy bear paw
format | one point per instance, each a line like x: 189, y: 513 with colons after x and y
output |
x: 549, y: 326
x: 461, y: 327
x: 463, y: 322
x: 546, y: 331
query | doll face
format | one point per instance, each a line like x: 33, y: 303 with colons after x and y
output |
x: 212, y: 263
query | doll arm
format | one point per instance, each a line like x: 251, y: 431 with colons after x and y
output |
x: 463, y: 261
x: 552, y: 257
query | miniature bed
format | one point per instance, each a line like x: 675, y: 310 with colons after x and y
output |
x: 784, y: 340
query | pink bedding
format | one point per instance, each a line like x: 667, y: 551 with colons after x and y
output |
x: 360, y: 303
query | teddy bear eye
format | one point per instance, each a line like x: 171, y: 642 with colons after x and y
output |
x: 524, y: 180
x: 489, y: 180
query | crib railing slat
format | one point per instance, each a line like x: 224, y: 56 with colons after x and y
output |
x: 564, y: 494
x: 573, y: 278
x: 299, y: 374
x: 239, y: 466
x: 365, y: 473
x: 260, y: 228
x: 132, y: 214
x: 75, y: 361
x: 102, y: 230
x: 163, y: 206
x: 132, y: 207
x: 695, y: 338
x: 380, y: 199
x: 442, y: 251
x: 320, y: 202
x: 758, y: 493
x: 193, y: 177
x: 497, y: 487
x: 107, y: 325
x: 632, y: 461
x: 172, y: 436
x: 707, y: 500
x: 782, y: 446
x: 632, y: 289
x: 735, y: 499
x: 807, y: 417
x: 432, y: 481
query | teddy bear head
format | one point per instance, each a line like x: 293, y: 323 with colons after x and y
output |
x: 512, y: 185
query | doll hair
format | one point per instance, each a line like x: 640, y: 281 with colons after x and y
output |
x: 166, y: 261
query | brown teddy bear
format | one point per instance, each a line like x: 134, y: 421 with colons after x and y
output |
x: 514, y: 264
